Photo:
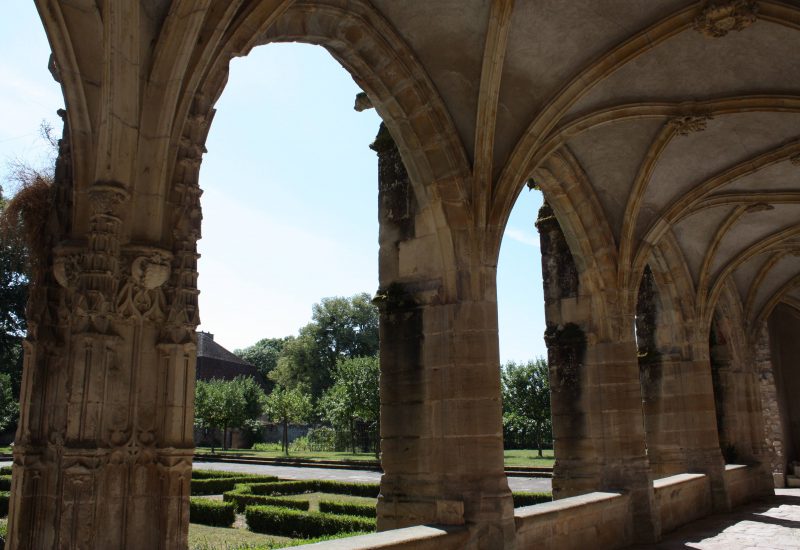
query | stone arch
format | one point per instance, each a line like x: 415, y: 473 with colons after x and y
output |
x: 673, y: 373
x: 735, y: 381
x: 567, y: 190
x: 356, y: 35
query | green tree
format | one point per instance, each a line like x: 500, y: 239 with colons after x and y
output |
x: 341, y: 328
x: 354, y: 397
x: 228, y: 404
x: 13, y: 298
x: 9, y: 406
x: 288, y: 405
x: 264, y: 354
x: 526, y: 402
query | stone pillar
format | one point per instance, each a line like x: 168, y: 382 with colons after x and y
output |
x: 659, y: 376
x: 104, y: 445
x: 771, y: 408
x: 441, y: 418
x: 734, y: 379
x: 598, y: 430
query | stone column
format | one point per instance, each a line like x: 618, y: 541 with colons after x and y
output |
x: 771, y: 408
x: 104, y: 444
x: 441, y: 423
x: 598, y: 430
x: 659, y: 376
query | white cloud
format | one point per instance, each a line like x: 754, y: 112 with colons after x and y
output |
x: 523, y: 237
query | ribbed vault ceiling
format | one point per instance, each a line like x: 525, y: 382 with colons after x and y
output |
x: 682, y: 112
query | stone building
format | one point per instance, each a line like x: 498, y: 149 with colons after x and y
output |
x: 664, y: 136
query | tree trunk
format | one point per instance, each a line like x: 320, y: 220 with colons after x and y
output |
x: 352, y: 436
x: 225, y: 438
x: 539, y: 442
x: 285, y: 442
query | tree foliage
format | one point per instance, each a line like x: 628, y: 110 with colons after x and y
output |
x: 287, y: 406
x: 264, y: 354
x: 228, y: 404
x: 341, y: 328
x: 13, y: 298
x: 354, y: 397
x: 526, y: 403
x: 9, y: 407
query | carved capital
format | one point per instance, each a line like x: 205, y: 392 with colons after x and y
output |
x: 106, y: 197
x: 687, y: 124
x: 150, y: 267
x: 66, y: 266
x: 718, y: 18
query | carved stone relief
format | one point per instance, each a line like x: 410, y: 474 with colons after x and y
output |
x: 719, y: 18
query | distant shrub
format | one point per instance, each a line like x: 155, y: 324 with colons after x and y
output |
x: 300, y: 445
x: 291, y: 523
x: 268, y: 447
x: 529, y: 499
x: 208, y: 474
x: 5, y: 496
x: 322, y: 439
x: 5, y: 483
x: 5, y: 471
x: 211, y: 512
x: 348, y: 508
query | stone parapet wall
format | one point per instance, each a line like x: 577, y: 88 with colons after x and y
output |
x: 744, y: 483
x: 682, y: 498
x: 596, y: 520
x: 422, y: 537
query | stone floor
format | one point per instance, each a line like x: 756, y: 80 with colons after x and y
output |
x: 769, y: 524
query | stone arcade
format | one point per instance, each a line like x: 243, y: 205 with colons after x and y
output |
x: 665, y: 138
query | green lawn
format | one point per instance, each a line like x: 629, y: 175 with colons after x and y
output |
x: 529, y: 457
x: 203, y: 537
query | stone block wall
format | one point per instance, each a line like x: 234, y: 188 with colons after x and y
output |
x: 681, y: 499
x: 595, y: 520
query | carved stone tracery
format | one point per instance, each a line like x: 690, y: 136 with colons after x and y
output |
x: 719, y: 18
x: 688, y: 124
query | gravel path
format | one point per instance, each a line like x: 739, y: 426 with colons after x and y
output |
x: 289, y: 472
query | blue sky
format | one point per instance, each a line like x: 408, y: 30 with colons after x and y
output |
x: 290, y: 190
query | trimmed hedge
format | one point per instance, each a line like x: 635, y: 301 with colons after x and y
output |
x: 4, y: 498
x: 241, y: 498
x: 5, y: 471
x: 291, y: 523
x: 209, y: 474
x: 3, y: 535
x: 369, y: 490
x: 348, y: 508
x: 218, y: 485
x: 528, y: 499
x: 211, y: 512
x: 5, y: 483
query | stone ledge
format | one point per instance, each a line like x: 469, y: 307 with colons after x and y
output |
x: 681, y: 499
x: 595, y: 520
x: 677, y: 479
x: 563, y: 504
x: 421, y: 537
